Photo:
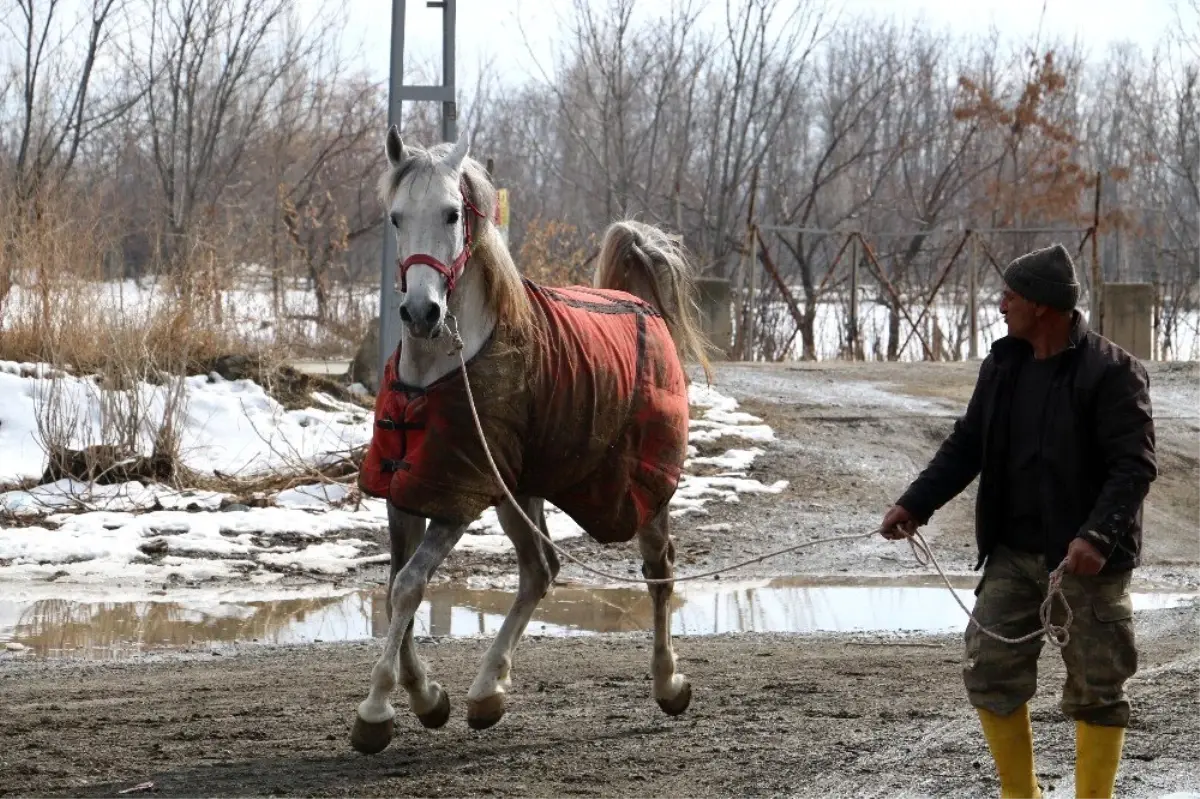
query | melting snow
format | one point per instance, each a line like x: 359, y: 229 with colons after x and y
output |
x: 126, y: 535
x: 229, y: 426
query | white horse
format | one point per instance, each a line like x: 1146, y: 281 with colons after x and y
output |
x: 555, y: 435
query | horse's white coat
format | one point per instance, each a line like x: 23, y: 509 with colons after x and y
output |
x: 422, y: 205
x: 418, y: 215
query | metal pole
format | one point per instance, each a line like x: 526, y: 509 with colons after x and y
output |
x: 389, y: 306
x: 449, y: 107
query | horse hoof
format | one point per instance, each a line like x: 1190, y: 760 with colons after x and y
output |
x: 371, y: 738
x: 440, y: 714
x: 673, y: 707
x: 484, y: 713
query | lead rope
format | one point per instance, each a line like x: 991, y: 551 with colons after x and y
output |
x: 1056, y: 634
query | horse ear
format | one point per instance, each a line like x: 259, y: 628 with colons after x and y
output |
x: 394, y: 146
x: 454, y: 159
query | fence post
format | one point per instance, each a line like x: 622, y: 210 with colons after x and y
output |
x: 745, y: 331
x: 750, y: 303
x: 853, y: 332
x: 1097, y: 287
x: 972, y: 297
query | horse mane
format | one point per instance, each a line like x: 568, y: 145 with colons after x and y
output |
x: 503, y: 285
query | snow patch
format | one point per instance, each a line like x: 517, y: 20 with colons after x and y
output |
x: 312, y: 495
x: 228, y: 426
x: 69, y: 494
x: 76, y: 535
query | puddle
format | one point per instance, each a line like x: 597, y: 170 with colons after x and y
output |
x: 114, y: 630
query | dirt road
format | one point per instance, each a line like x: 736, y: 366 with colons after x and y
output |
x: 771, y: 716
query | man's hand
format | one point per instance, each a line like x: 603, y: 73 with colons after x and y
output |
x: 1083, y: 558
x: 897, y: 523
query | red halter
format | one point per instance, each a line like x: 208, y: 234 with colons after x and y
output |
x: 455, y: 269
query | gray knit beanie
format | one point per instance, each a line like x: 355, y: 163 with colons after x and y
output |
x: 1046, y: 277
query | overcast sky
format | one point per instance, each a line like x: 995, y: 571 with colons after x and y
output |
x: 495, y: 29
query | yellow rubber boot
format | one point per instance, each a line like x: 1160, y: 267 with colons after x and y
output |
x: 1097, y: 755
x: 1011, y: 740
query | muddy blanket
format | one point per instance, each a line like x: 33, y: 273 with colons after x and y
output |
x: 592, y: 416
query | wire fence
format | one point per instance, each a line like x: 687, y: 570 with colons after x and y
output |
x: 816, y: 294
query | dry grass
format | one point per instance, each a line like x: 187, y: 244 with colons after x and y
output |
x: 56, y: 309
x: 55, y: 306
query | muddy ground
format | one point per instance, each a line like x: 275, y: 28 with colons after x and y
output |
x: 772, y: 715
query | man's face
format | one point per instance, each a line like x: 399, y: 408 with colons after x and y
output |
x: 1021, y: 315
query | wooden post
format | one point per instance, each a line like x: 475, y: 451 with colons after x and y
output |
x: 973, y: 298
x: 750, y: 305
x: 739, y: 310
x: 1156, y: 334
x: 1097, y: 309
x: 853, y: 331
x: 745, y: 336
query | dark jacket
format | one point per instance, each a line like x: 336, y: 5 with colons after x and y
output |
x: 1096, y: 452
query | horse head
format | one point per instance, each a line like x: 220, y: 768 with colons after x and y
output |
x: 435, y: 225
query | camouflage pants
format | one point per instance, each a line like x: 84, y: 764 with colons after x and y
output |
x: 1100, y: 656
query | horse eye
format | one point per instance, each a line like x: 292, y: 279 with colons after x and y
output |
x: 451, y: 216
x: 394, y: 218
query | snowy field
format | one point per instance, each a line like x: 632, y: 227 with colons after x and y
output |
x: 100, y: 537
x: 251, y: 311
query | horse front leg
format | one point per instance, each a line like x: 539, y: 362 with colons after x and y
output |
x: 374, y: 719
x: 405, y: 532
x: 536, y: 572
x: 672, y: 690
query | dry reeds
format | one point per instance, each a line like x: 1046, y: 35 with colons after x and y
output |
x: 137, y: 339
x: 58, y: 304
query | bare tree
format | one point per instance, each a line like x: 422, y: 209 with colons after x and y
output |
x: 759, y: 88
x: 209, y: 71
x: 326, y: 196
x: 58, y: 109
x: 844, y: 144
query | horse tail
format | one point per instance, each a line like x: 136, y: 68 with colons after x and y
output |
x: 649, y: 263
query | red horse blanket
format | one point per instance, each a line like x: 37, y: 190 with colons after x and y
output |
x: 592, y: 416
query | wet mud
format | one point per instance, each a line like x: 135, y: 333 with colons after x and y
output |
x: 839, y: 712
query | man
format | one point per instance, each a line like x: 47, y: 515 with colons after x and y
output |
x: 1060, y: 432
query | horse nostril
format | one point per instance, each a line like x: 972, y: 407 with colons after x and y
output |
x: 405, y: 316
x: 433, y: 314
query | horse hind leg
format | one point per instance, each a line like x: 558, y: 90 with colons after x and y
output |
x: 536, y: 572
x: 672, y: 690
x: 549, y: 555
